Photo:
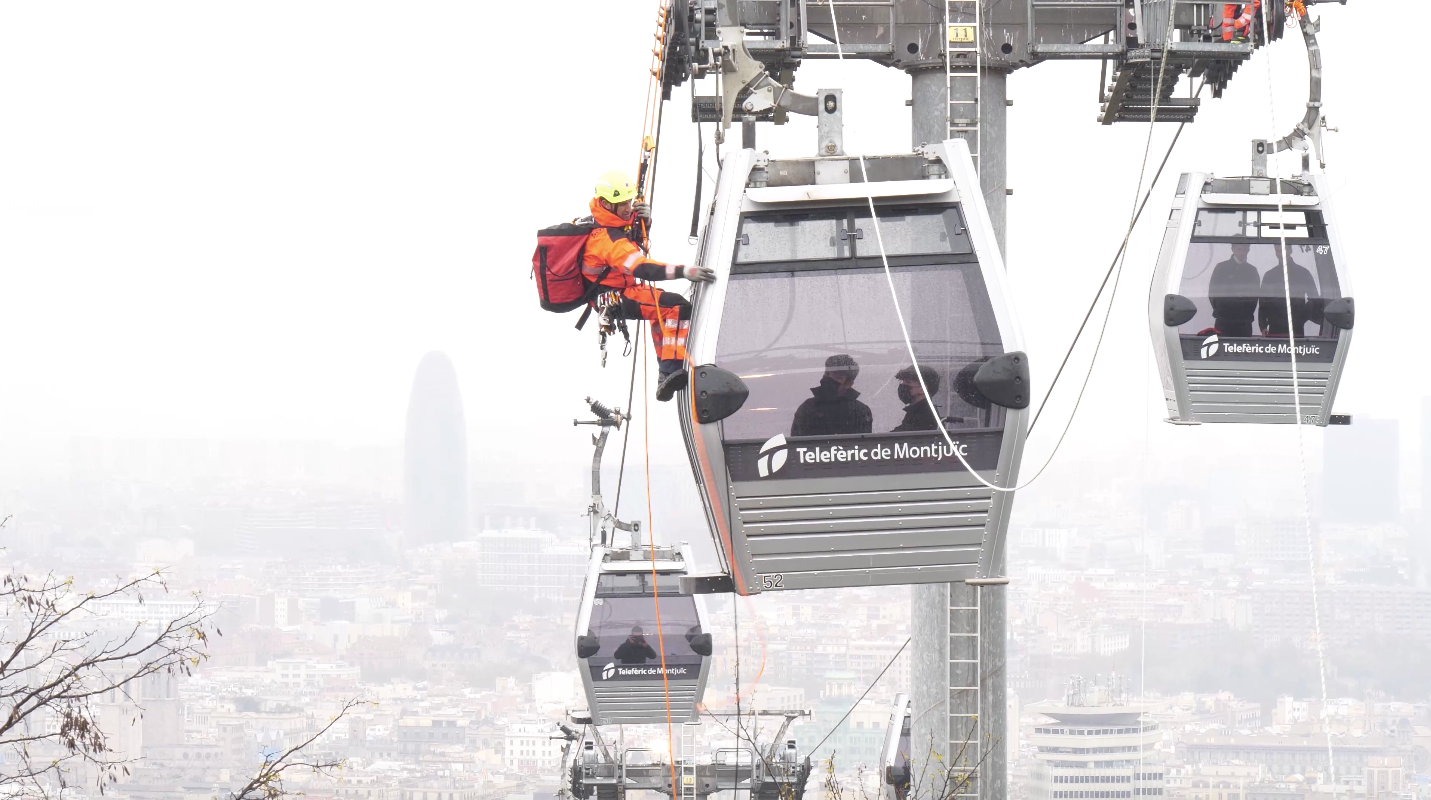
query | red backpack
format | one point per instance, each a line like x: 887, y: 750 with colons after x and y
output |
x: 556, y: 267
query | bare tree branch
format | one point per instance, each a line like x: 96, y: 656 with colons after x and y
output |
x: 267, y: 783
x: 60, y: 652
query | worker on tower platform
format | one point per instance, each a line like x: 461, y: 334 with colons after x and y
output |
x: 1237, y: 21
x: 615, y: 257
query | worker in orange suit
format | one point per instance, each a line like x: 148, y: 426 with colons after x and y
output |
x: 615, y: 258
x: 1237, y: 21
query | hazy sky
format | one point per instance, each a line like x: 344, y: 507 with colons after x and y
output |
x: 253, y: 220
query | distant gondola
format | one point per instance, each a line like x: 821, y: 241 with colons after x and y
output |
x: 894, y: 755
x: 1218, y: 311
x: 619, y: 644
x: 832, y: 471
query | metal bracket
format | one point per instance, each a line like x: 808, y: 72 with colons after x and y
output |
x: 986, y: 581
x: 742, y: 73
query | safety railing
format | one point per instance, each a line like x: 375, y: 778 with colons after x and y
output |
x: 1113, y: 48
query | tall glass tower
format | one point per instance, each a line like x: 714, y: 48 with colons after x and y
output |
x: 435, y: 454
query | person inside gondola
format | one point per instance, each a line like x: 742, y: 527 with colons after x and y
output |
x: 1233, y: 291
x: 635, y: 650
x: 834, y: 407
x: 1272, y: 306
x: 919, y: 412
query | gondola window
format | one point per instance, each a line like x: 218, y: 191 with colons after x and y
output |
x: 788, y: 321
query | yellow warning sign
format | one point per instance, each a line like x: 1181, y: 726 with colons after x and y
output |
x: 961, y: 34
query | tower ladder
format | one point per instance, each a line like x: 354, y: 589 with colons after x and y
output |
x: 965, y: 744
x: 688, y: 760
x: 963, y: 65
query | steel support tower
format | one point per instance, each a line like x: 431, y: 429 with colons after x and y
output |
x: 958, y: 54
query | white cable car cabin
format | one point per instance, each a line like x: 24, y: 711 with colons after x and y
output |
x: 894, y: 754
x: 1218, y: 310
x: 620, y: 646
x: 811, y: 481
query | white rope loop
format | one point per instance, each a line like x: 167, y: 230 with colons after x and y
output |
x: 894, y: 296
x: 1297, y: 402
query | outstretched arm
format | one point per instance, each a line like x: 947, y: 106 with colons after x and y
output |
x: 656, y: 271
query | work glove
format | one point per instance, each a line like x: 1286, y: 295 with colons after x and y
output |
x: 643, y: 211
x: 698, y: 274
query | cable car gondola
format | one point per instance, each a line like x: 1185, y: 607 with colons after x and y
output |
x: 894, y: 754
x: 819, y: 464
x: 620, y: 645
x: 1218, y: 312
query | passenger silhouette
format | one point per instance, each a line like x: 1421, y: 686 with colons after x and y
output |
x: 834, y: 408
x: 1307, y: 302
x: 635, y: 650
x: 919, y: 413
x: 1233, y: 291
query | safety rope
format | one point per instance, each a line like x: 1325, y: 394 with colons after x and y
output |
x: 1122, y: 250
x: 739, y: 719
x: 652, y: 112
x: 1297, y: 406
x: 655, y: 588
x: 626, y: 434
x: 1143, y: 543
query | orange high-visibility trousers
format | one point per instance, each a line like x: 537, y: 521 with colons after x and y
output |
x: 669, y: 314
x: 1237, y: 22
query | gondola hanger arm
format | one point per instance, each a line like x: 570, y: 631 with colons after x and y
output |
x: 1307, y: 135
x: 742, y: 73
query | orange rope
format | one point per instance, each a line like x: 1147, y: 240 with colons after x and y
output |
x: 649, y: 118
x: 651, y: 538
x: 650, y: 113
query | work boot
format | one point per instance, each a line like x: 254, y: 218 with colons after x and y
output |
x: 673, y: 379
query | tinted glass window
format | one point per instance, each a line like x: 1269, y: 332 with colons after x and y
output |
x: 792, y: 237
x: 789, y: 335
x: 1260, y: 223
x: 1239, y: 289
x: 626, y: 628
x: 610, y: 584
x: 913, y: 232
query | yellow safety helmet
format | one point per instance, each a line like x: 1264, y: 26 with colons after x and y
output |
x: 615, y: 187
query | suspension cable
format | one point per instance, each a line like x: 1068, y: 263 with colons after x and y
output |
x: 867, y: 690
x: 1292, y: 325
x: 1111, y: 267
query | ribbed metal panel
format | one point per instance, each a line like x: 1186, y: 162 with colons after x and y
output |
x: 1263, y: 395
x: 876, y: 530
x: 643, y: 703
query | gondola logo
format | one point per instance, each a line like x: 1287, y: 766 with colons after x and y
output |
x: 609, y: 671
x: 1209, y: 346
x: 772, y: 456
